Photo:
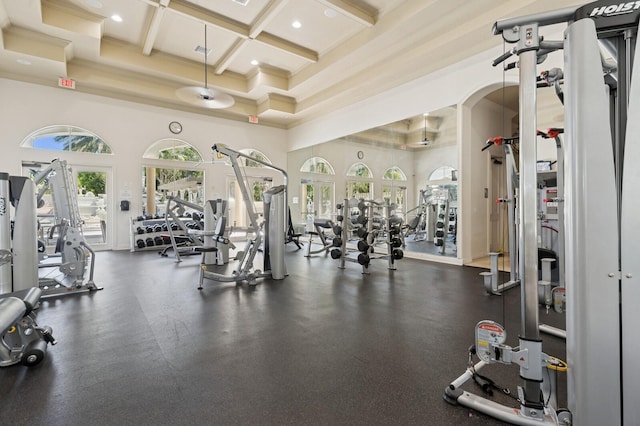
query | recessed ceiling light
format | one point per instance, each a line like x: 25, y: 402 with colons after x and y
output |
x: 23, y: 62
x: 330, y: 13
x: 296, y: 24
x: 94, y: 3
x: 426, y: 114
x: 254, y: 62
x: 116, y: 18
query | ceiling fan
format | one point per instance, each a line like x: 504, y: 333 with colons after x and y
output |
x: 205, y: 97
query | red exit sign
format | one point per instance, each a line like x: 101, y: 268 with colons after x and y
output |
x: 67, y: 83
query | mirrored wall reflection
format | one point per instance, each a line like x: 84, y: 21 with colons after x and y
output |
x: 406, y: 169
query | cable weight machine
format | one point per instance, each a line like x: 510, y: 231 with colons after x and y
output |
x: 601, y: 205
x: 269, y: 235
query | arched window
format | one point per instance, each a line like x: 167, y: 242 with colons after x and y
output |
x: 66, y: 138
x: 317, y: 165
x: 394, y: 173
x: 253, y: 153
x: 393, y: 193
x: 360, y: 184
x: 445, y: 177
x: 360, y: 170
x: 173, y: 149
x: 443, y: 173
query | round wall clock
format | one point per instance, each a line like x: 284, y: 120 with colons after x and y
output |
x: 175, y: 127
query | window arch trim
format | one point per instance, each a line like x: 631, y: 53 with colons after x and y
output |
x: 65, y: 137
x: 311, y: 166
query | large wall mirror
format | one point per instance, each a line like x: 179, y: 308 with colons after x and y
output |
x: 410, y: 165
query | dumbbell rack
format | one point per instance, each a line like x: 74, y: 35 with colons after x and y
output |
x: 154, y: 229
x: 367, y: 238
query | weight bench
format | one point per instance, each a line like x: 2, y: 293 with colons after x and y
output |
x: 319, y: 225
x: 22, y: 339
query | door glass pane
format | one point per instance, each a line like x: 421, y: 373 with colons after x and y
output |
x: 359, y: 190
x: 81, y: 197
x: 233, y: 211
x: 160, y: 183
x: 257, y: 187
x: 325, y: 200
x: 92, y: 204
x: 306, y: 192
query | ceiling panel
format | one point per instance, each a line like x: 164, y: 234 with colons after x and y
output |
x: 245, y: 14
x: 318, y: 32
x: 180, y: 35
x: 265, y: 55
x: 368, y: 47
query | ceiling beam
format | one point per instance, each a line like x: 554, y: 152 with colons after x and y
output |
x: 241, y: 30
x: 267, y: 14
x: 4, y: 17
x: 201, y: 14
x: 154, y: 26
x: 350, y: 11
x: 230, y: 55
x: 288, y: 47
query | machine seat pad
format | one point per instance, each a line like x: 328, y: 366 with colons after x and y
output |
x: 11, y: 310
x: 202, y: 249
x: 178, y: 238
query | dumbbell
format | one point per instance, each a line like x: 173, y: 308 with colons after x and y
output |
x: 158, y: 240
x: 397, y: 253
x: 140, y: 230
x: 140, y: 243
x: 150, y: 243
x: 164, y: 226
x: 157, y: 228
x: 335, y: 253
x: 149, y: 229
x: 166, y: 239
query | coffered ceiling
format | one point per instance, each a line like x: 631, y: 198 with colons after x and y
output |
x: 343, y: 52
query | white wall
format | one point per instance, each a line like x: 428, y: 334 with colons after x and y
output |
x: 341, y: 155
x: 129, y: 129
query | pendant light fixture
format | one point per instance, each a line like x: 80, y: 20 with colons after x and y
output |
x: 205, y: 97
x: 425, y: 140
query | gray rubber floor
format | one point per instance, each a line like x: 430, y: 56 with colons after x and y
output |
x: 324, y: 346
